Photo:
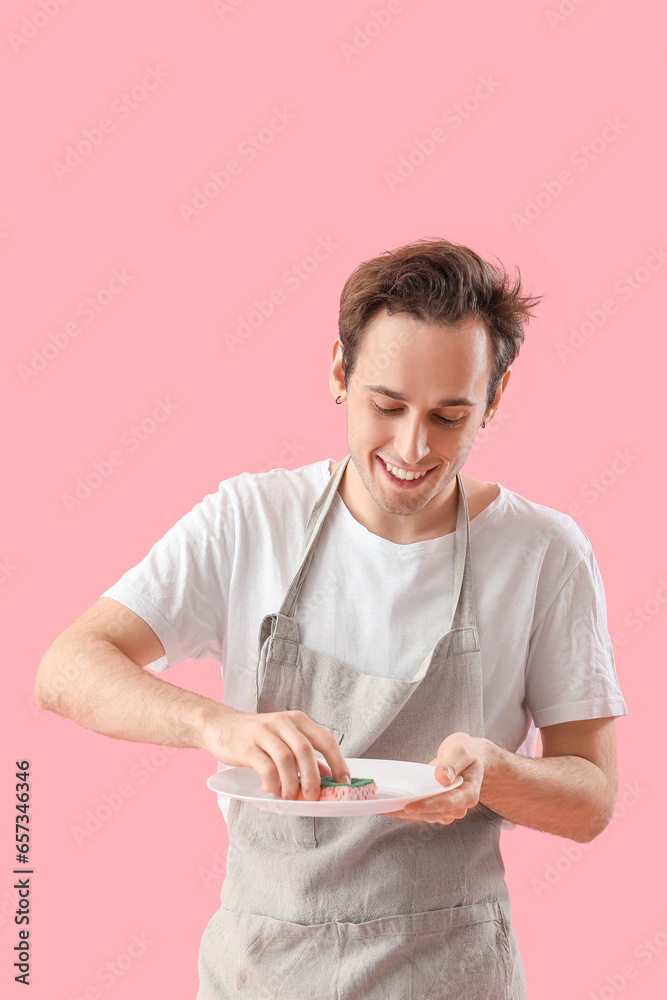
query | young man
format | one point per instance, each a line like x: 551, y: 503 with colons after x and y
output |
x: 339, y: 599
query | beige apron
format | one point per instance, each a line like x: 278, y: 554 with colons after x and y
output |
x: 367, y: 907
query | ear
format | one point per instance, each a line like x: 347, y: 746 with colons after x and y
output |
x: 499, y: 392
x: 336, y: 375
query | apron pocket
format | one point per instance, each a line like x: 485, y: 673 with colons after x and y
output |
x: 246, y: 956
x: 336, y: 733
x: 460, y: 953
x: 279, y: 829
x: 247, y: 825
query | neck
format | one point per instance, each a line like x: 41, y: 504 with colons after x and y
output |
x: 434, y: 519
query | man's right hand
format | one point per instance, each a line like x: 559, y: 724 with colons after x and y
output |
x: 278, y: 746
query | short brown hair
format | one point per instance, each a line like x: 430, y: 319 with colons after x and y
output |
x: 437, y: 282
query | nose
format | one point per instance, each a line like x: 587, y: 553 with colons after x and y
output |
x: 411, y: 439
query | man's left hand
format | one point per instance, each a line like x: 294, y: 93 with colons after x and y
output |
x: 458, y: 754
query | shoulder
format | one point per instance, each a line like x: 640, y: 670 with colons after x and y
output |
x: 281, y: 480
x: 539, y: 540
x: 552, y: 524
x: 537, y: 553
x: 276, y: 493
x: 248, y: 503
x: 513, y: 510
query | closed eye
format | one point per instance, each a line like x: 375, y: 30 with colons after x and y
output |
x: 444, y: 420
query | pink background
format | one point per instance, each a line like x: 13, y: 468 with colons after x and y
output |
x: 154, y: 867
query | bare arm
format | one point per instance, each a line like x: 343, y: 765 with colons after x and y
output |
x: 94, y: 674
x: 570, y: 791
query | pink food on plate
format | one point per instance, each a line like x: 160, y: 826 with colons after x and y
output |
x: 340, y: 791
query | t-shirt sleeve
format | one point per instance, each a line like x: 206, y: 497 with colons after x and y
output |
x: 181, y: 587
x: 570, y: 671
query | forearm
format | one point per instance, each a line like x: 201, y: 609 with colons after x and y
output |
x: 567, y: 796
x: 92, y: 682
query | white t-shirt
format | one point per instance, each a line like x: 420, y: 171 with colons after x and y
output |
x: 379, y: 606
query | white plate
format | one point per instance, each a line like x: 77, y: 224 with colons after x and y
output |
x: 398, y: 781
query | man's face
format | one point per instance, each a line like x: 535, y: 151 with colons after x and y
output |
x: 441, y: 374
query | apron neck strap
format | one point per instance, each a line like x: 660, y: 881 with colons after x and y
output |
x: 315, y: 522
x: 463, y: 600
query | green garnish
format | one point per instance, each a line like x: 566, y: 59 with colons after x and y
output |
x: 327, y: 782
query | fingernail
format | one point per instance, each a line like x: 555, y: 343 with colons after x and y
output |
x: 347, y: 778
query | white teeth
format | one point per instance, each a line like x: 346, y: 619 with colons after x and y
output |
x: 402, y: 474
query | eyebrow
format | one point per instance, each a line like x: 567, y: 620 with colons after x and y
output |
x: 383, y: 390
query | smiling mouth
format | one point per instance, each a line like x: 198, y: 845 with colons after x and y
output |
x: 402, y: 476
